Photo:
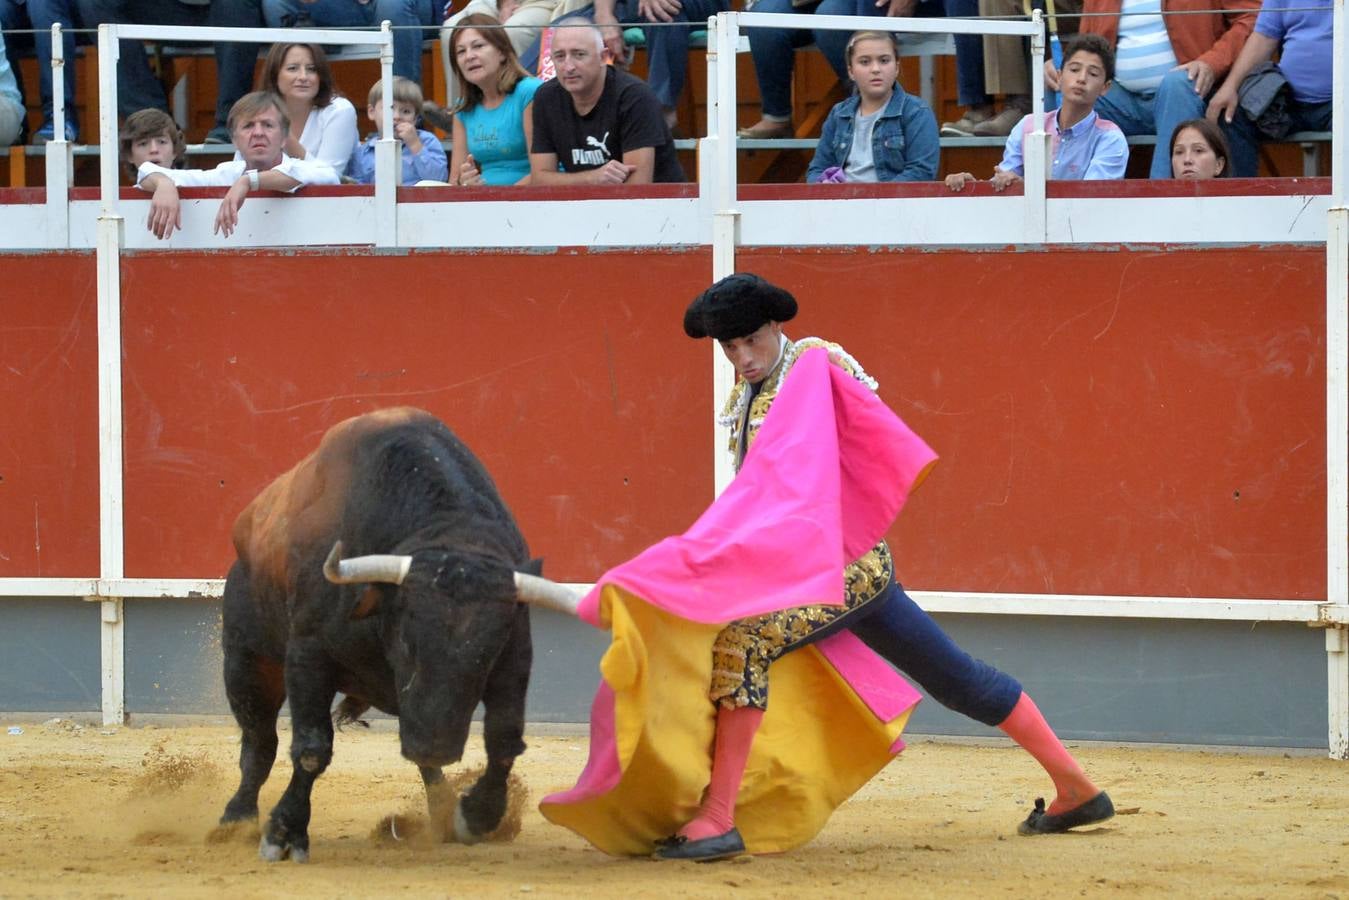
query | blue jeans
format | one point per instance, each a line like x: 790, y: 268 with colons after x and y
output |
x: 774, y: 50
x: 407, y: 42
x: 1159, y: 113
x: 42, y: 15
x: 1244, y: 141
x: 969, y: 57
x: 667, y: 47
x: 137, y: 86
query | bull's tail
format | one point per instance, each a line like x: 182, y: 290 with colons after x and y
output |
x: 349, y: 712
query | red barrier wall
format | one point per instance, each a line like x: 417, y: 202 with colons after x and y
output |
x: 1137, y: 421
x: 48, y: 415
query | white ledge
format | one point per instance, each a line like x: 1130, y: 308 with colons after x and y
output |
x: 1314, y: 612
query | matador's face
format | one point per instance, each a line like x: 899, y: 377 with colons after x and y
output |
x: 755, y: 354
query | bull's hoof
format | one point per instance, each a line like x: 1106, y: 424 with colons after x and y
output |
x: 276, y: 852
x: 272, y: 852
x: 463, y: 832
x: 239, y: 811
x: 278, y: 844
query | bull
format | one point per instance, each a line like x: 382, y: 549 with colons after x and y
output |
x: 383, y: 566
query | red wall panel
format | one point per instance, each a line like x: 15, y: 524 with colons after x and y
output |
x: 568, y: 374
x: 48, y: 415
x: 1137, y: 421
x: 1140, y: 421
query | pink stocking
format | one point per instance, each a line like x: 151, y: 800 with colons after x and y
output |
x: 735, y: 735
x: 1028, y: 728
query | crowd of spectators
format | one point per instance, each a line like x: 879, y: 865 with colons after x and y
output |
x: 1200, y: 76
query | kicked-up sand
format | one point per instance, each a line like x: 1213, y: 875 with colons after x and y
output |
x: 131, y: 812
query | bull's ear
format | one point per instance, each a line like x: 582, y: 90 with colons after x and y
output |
x: 367, y: 603
x: 533, y: 567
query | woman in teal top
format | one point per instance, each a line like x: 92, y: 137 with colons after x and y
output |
x: 494, y: 123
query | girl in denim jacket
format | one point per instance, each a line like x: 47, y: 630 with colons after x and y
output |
x: 879, y: 133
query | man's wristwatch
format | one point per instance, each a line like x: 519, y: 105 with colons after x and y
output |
x: 252, y: 179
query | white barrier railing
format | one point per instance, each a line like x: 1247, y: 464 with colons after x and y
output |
x: 1337, y: 393
x: 719, y: 196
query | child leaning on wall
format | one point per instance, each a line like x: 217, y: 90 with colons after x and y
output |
x: 151, y: 135
x: 1083, y: 146
x: 423, y: 156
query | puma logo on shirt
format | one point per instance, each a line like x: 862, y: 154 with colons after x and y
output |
x: 596, y: 157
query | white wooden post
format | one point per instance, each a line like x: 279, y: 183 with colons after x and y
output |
x: 60, y: 155
x: 1337, y: 404
x: 387, y: 154
x: 1036, y: 150
x: 109, y: 250
x: 725, y: 217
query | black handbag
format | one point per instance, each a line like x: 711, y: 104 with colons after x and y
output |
x: 1264, y: 97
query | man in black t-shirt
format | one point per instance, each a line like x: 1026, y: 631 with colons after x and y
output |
x: 596, y: 125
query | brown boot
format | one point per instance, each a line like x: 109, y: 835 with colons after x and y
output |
x: 1001, y: 125
x: 965, y: 125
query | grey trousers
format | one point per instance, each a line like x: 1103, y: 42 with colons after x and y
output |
x: 11, y: 121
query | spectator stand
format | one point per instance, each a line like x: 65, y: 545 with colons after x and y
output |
x: 191, y: 92
x: 186, y: 97
x: 816, y: 89
x: 1310, y: 144
x: 926, y: 48
x: 722, y: 145
x: 386, y: 158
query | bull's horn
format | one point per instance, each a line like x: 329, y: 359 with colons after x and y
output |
x: 538, y: 591
x: 381, y: 567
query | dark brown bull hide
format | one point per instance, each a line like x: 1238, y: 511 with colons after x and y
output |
x: 450, y: 633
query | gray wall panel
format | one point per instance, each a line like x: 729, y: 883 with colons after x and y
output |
x: 173, y: 657
x: 1260, y: 684
x: 173, y: 661
x: 1095, y: 679
x: 49, y: 655
x: 566, y: 667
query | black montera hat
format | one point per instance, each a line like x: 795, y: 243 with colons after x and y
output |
x: 738, y: 305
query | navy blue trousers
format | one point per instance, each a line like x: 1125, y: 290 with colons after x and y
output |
x: 907, y: 637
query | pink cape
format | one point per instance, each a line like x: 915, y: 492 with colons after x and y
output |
x: 830, y: 470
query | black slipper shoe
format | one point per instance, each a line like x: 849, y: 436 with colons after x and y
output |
x: 1097, y: 809
x: 721, y: 846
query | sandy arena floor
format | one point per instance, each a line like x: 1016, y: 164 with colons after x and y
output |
x: 125, y: 812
